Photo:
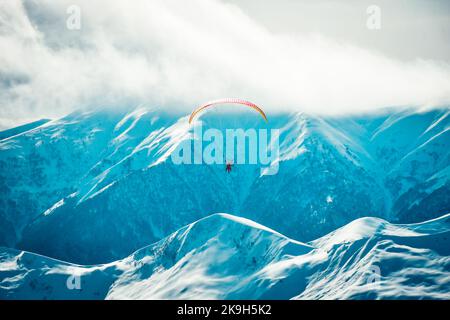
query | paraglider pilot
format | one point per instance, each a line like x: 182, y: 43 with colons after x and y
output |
x: 228, y: 167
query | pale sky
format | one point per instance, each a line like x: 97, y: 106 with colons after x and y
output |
x: 285, y: 55
x: 410, y: 29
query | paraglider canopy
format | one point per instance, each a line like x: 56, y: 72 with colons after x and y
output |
x: 227, y: 101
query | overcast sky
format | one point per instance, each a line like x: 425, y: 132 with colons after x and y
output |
x: 315, y: 56
x: 410, y: 29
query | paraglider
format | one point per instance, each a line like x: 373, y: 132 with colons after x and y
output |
x: 228, y: 167
x: 227, y: 101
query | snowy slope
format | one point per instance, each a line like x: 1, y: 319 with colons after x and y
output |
x: 94, y: 186
x: 228, y: 257
x: 412, y: 261
x: 21, y: 129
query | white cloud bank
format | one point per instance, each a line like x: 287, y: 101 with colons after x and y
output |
x: 176, y: 54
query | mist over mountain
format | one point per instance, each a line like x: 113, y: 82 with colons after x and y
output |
x: 336, y: 184
x: 153, y: 52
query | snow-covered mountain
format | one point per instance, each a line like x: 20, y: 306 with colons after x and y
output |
x: 229, y: 257
x: 94, y: 186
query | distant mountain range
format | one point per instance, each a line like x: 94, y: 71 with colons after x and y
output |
x: 105, y: 178
x: 93, y: 187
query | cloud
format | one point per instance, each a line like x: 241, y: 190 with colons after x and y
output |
x: 178, y: 54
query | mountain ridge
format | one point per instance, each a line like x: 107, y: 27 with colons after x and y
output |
x: 114, y: 168
x: 227, y: 257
